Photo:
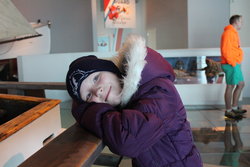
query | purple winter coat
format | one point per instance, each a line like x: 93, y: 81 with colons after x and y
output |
x: 152, y: 128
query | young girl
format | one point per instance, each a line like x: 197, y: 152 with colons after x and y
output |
x: 132, y: 104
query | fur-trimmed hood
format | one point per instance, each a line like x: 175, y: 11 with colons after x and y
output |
x: 132, y: 60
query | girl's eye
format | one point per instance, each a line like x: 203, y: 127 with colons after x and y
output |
x: 96, y: 78
x: 88, y: 96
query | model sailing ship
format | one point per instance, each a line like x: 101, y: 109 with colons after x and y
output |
x: 18, y: 37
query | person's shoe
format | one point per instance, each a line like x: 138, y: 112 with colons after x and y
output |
x: 234, y: 119
x: 239, y: 111
x: 233, y: 115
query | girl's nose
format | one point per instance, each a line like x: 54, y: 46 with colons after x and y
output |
x: 99, y: 91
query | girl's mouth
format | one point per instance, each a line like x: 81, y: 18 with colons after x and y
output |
x: 106, y: 98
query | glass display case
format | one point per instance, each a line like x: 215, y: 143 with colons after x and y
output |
x: 199, y: 78
x: 197, y: 70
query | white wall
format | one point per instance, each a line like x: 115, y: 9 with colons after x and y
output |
x: 164, y: 29
x: 166, y: 24
x: 178, y: 23
x: 206, y: 21
x: 242, y: 7
x: 246, y: 72
x: 71, y: 28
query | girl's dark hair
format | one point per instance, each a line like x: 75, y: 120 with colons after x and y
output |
x: 234, y: 18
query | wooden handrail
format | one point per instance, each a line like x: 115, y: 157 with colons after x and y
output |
x: 32, y: 85
x: 36, y: 89
x: 39, y: 107
x: 73, y: 147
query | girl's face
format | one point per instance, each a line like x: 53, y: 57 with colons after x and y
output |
x: 101, y: 87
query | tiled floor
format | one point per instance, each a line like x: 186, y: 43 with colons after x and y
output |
x: 221, y: 142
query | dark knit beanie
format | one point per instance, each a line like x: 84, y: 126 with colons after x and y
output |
x: 81, y: 68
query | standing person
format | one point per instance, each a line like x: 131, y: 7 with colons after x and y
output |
x: 231, y: 58
x: 133, y: 106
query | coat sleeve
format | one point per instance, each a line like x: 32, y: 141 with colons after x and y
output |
x: 127, y: 132
x: 155, y: 111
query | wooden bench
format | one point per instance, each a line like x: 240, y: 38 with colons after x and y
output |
x: 74, y: 147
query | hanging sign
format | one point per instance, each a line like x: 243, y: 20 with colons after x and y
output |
x: 119, y: 13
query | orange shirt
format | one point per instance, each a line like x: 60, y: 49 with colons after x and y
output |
x: 231, y: 53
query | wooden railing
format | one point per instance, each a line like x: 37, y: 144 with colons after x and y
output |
x: 36, y: 89
x: 74, y: 147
